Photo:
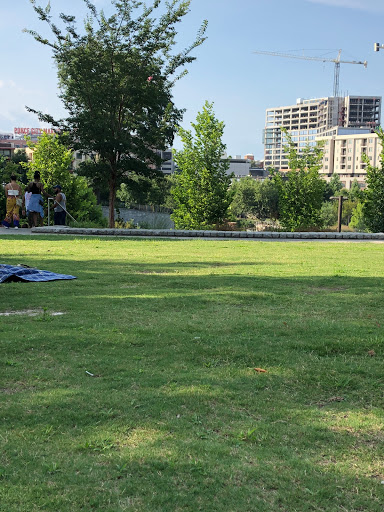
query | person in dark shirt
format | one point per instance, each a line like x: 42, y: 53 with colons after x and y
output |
x: 35, y: 209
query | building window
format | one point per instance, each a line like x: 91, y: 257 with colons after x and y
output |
x: 349, y: 167
x: 349, y: 158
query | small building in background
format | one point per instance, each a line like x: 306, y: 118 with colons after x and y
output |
x: 239, y: 166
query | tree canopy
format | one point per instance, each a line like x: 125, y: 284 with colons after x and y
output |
x: 201, y: 190
x: 301, y: 192
x: 116, y: 78
x: 373, y: 207
x: 53, y: 161
x: 255, y: 198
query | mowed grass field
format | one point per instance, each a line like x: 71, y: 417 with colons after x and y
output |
x: 174, y: 416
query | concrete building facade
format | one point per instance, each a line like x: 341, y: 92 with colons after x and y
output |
x: 343, y: 155
x: 239, y: 167
x: 310, y: 118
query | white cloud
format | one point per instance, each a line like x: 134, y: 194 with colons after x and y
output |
x: 371, y: 5
x: 15, y: 96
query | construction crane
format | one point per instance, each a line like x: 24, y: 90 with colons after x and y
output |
x: 337, y: 62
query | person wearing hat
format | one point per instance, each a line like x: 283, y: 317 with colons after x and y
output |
x: 59, y: 206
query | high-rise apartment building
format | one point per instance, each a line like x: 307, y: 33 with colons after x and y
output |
x: 309, y: 119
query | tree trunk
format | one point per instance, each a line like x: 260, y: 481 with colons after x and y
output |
x: 112, y: 197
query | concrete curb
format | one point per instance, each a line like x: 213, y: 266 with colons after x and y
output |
x: 165, y: 233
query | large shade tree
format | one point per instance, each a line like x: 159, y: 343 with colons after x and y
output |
x: 116, y: 77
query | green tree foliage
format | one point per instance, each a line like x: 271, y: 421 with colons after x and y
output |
x: 20, y: 159
x: 358, y: 222
x: 328, y: 214
x: 373, y: 208
x: 154, y: 192
x: 201, y: 191
x: 2, y: 200
x: 301, y: 192
x: 335, y: 184
x: 3, y: 181
x: 116, y: 79
x: 255, y: 198
x: 7, y: 170
x: 348, y: 209
x: 333, y: 187
x: 355, y: 193
x: 53, y: 160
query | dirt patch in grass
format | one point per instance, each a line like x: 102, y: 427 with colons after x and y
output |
x: 328, y: 289
x: 31, y: 312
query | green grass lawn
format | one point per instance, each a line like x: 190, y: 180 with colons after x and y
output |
x: 176, y: 418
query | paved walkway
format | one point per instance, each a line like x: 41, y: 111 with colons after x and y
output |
x: 11, y: 231
x: 211, y: 235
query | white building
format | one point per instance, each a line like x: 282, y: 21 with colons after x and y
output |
x: 240, y: 167
x: 309, y: 119
x: 343, y: 151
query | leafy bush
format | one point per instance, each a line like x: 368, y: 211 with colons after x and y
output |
x: 328, y: 214
x: 245, y: 223
x: 302, y: 190
x: 125, y: 224
x: 358, y: 222
x: 88, y: 224
x: 255, y: 198
x: 374, y: 194
x: 81, y: 201
x: 53, y: 159
x: 2, y: 201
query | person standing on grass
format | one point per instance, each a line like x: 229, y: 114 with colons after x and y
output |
x: 59, y: 206
x: 14, y: 195
x: 35, y: 205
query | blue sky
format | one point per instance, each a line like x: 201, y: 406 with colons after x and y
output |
x: 240, y: 83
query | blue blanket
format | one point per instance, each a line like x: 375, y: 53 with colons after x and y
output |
x: 11, y: 273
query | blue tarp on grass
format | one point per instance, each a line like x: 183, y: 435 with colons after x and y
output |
x: 12, y: 273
